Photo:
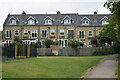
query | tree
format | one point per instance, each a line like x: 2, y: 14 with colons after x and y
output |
x: 94, y: 41
x: 48, y: 42
x: 75, y: 44
x: 112, y: 30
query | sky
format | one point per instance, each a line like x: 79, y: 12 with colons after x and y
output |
x: 49, y: 7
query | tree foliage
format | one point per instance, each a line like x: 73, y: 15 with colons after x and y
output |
x: 75, y: 44
x: 111, y: 32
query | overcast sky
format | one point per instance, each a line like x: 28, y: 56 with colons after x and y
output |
x: 50, y: 6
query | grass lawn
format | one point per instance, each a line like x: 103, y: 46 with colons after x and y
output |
x: 48, y: 68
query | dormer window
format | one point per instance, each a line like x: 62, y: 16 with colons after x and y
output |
x: 48, y: 22
x: 12, y: 22
x: 105, y: 22
x: 85, y: 22
x: 67, y: 20
x: 31, y: 22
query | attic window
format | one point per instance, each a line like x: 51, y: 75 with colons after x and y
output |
x: 67, y: 21
x: 85, y: 22
x: 48, y: 22
x: 31, y: 22
x: 105, y: 22
x: 12, y: 22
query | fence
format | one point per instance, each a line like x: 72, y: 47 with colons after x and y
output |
x: 67, y: 52
x: 18, y: 51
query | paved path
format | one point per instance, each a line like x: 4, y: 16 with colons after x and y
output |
x: 104, y: 70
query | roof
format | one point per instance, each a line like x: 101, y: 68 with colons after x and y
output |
x: 41, y: 17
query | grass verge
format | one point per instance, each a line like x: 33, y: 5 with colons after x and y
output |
x: 48, y: 68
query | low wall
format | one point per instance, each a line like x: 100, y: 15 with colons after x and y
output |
x: 67, y: 52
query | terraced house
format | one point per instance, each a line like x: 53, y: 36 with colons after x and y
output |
x: 31, y: 28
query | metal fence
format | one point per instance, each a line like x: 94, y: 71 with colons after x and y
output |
x: 14, y: 51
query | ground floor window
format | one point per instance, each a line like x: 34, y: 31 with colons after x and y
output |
x: 63, y: 42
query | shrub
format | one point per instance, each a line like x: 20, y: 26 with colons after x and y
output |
x: 104, y: 51
x: 75, y: 44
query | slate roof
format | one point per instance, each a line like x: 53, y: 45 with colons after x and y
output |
x: 40, y: 18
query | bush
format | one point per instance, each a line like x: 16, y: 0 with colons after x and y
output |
x: 75, y: 44
x: 104, y: 51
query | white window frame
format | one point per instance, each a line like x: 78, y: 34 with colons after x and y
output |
x: 48, y: 22
x: 25, y: 31
x: 81, y: 34
x: 67, y: 21
x: 104, y: 22
x: 8, y: 34
x: 90, y: 33
x: 31, y: 22
x: 42, y: 33
x: 62, y: 31
x: 52, y: 31
x: 85, y: 22
x: 12, y: 22
x: 34, y: 31
x: 16, y: 32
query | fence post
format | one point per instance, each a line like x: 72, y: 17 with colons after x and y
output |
x: 15, y: 50
x: 28, y: 50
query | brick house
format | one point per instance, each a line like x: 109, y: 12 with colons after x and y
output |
x: 62, y: 27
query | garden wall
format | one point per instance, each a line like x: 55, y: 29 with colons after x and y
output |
x: 67, y: 52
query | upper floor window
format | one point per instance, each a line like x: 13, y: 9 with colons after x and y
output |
x: 61, y: 32
x: 81, y: 34
x: 25, y: 32
x: 12, y: 22
x: 31, y: 22
x: 16, y: 32
x: 89, y: 33
x: 44, y: 34
x: 34, y: 34
x: 67, y: 21
x: 70, y: 33
x: 85, y: 22
x: 8, y: 33
x: 52, y: 32
x: 105, y: 22
x: 48, y: 22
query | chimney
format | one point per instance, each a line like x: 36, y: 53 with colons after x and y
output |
x: 23, y: 15
x: 95, y: 16
x: 58, y: 15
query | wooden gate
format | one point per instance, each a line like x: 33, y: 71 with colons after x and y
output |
x: 22, y: 51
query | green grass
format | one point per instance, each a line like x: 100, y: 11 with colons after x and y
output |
x: 48, y: 68
x: 104, y: 56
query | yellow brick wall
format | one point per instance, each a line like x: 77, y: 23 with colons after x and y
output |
x: 40, y: 28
